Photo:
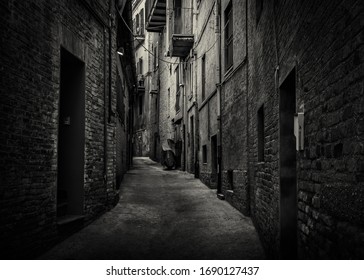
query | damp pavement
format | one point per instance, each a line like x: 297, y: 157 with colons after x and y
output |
x: 166, y: 215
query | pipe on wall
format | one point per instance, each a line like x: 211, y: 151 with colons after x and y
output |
x: 219, y: 102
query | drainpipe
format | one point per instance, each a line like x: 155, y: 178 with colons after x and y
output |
x: 218, y: 88
x: 197, y: 122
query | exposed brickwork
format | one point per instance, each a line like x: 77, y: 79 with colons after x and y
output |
x: 206, y: 49
x: 234, y: 114
x: 320, y: 45
x: 322, y: 41
x: 32, y: 35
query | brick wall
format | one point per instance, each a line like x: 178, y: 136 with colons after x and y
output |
x: 206, y: 48
x: 322, y: 42
x: 32, y: 35
x: 234, y: 111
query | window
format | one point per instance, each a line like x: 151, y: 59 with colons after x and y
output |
x: 203, y: 76
x: 229, y: 36
x: 177, y: 79
x: 261, y: 134
x: 204, y: 154
x: 155, y: 56
x: 137, y: 28
x: 140, y: 67
x: 141, y: 22
x: 177, y: 17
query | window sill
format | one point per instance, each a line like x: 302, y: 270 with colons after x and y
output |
x: 232, y: 70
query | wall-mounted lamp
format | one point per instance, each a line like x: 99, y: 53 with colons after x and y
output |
x: 120, y: 51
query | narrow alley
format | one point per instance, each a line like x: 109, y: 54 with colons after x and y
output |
x: 164, y: 215
x: 256, y: 107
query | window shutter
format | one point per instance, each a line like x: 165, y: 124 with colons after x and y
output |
x: 142, y: 22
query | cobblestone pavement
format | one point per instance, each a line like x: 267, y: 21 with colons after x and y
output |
x: 164, y: 215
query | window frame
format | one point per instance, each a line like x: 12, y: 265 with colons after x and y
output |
x: 204, y: 154
x: 229, y: 38
x: 203, y: 77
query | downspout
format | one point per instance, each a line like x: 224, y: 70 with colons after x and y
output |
x: 197, y: 121
x: 185, y: 122
x: 219, y: 97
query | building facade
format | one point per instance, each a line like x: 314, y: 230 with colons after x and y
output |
x: 64, y: 127
x: 263, y: 100
x: 305, y: 64
x: 146, y: 122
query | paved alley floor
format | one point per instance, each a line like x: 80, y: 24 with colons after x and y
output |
x: 164, y: 215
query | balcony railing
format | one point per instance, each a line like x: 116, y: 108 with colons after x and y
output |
x: 180, y: 26
x: 156, y: 15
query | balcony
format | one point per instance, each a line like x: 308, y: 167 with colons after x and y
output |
x: 180, y: 26
x: 156, y: 15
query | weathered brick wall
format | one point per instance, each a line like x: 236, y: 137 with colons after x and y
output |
x: 323, y: 42
x: 263, y: 176
x: 32, y: 34
x: 234, y: 114
x: 206, y: 47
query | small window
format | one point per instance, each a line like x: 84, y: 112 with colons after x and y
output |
x: 203, y: 77
x: 228, y: 36
x: 141, y: 22
x: 155, y: 56
x: 204, y: 154
x: 137, y: 24
x: 261, y: 134
x: 177, y: 79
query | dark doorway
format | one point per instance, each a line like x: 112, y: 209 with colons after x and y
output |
x: 214, y: 166
x: 288, y: 174
x: 71, y: 136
